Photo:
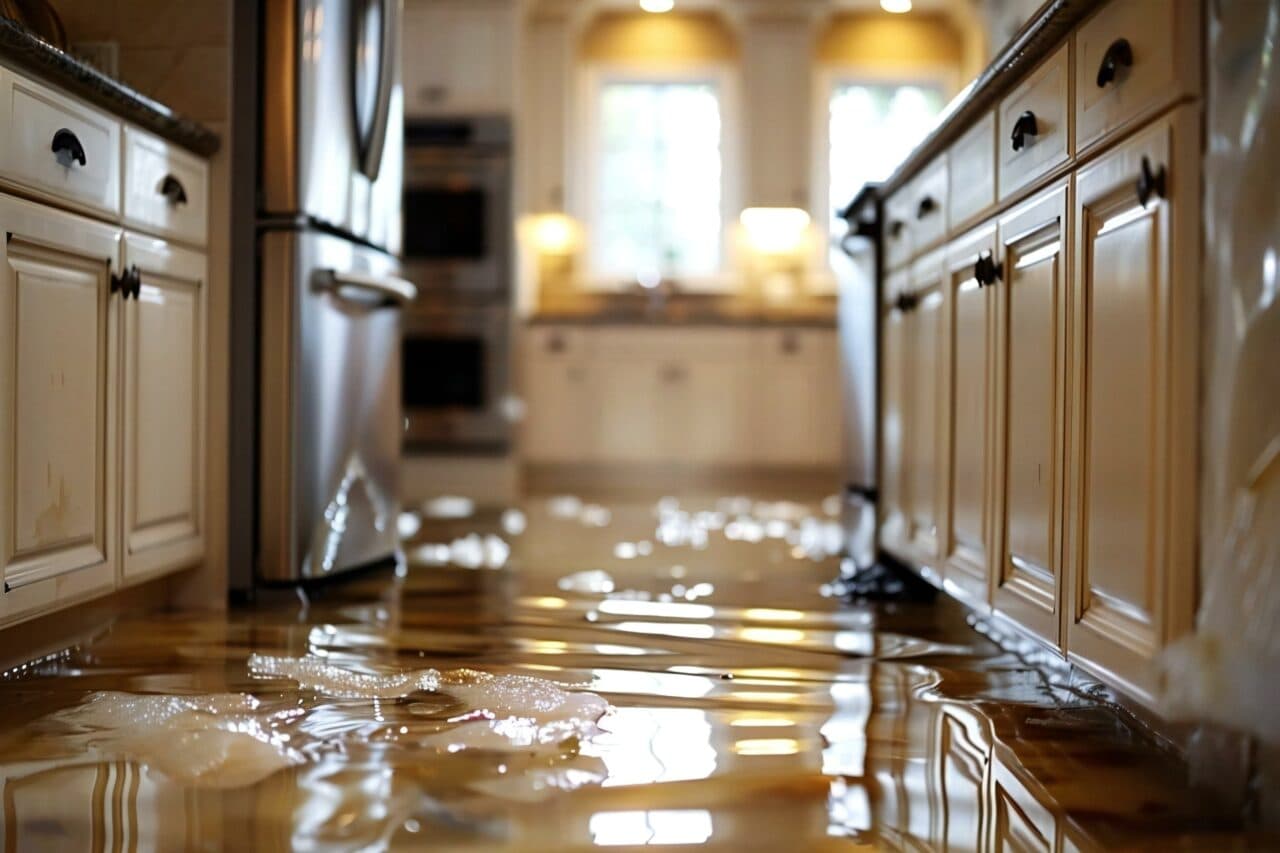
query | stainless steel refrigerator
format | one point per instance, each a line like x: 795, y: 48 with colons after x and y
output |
x: 330, y: 162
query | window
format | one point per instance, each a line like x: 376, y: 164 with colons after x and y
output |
x: 657, y: 188
x: 873, y: 127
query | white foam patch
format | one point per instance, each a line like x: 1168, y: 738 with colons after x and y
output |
x: 217, y: 741
x: 315, y: 674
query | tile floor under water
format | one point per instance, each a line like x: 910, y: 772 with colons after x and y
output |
x: 745, y: 710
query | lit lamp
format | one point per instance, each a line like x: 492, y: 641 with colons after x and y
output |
x: 554, y: 238
x: 776, y: 239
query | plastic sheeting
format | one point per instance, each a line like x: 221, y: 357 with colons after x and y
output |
x: 1228, y: 672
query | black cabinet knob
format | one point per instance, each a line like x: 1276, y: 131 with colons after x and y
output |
x: 67, y: 148
x: 173, y: 190
x: 927, y: 205
x: 905, y: 302
x: 986, y: 271
x: 128, y: 283
x: 1150, y: 183
x: 1022, y: 128
x: 1119, y: 55
x: 895, y: 228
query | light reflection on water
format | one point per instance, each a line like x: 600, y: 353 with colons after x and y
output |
x: 758, y: 716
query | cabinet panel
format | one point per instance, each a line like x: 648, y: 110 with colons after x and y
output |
x: 971, y: 341
x: 56, y: 395
x: 1040, y: 109
x: 894, y: 374
x: 165, y: 188
x: 972, y: 172
x: 459, y: 57
x: 1133, y: 542
x: 796, y: 417
x: 1031, y: 374
x: 163, y: 384
x: 925, y: 464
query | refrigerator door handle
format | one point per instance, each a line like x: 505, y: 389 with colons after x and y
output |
x: 358, y: 287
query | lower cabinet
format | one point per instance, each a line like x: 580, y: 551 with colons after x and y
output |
x: 925, y: 461
x: 1132, y: 508
x: 696, y: 396
x: 163, y: 345
x: 1031, y: 302
x: 99, y: 370
x: 58, y: 415
x: 895, y: 369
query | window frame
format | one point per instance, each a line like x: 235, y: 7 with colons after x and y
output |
x: 586, y: 149
x: 826, y: 80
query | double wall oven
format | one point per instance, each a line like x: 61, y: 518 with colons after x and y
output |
x: 455, y: 356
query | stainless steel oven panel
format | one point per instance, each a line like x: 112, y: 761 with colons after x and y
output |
x: 488, y: 171
x: 330, y: 421
x: 323, y: 157
x: 487, y: 427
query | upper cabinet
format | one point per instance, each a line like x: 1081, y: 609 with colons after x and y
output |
x: 459, y: 57
x: 776, y: 62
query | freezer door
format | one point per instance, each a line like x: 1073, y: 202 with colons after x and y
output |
x: 332, y: 115
x: 330, y: 430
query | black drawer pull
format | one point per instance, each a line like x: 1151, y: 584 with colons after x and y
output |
x: 1022, y: 128
x: 986, y: 271
x: 895, y: 228
x: 1118, y: 54
x: 173, y: 190
x: 927, y: 206
x: 67, y: 148
x: 1150, y: 183
x: 906, y: 302
x: 129, y: 283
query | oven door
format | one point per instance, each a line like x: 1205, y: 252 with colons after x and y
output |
x: 457, y: 221
x: 455, y: 379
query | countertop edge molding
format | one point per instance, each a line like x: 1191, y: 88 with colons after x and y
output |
x: 1043, y: 33
x: 27, y: 52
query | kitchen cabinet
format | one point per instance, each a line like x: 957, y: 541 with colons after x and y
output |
x: 696, y: 396
x: 971, y: 283
x: 777, y: 62
x: 459, y: 57
x: 57, y: 405
x: 1030, y: 429
x: 1133, y: 443
x: 163, y: 387
x: 925, y: 462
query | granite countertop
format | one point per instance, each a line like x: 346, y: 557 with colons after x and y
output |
x: 685, y: 309
x: 37, y: 57
x: 660, y: 321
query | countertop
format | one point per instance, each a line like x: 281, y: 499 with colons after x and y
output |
x: 686, y: 310
x: 37, y: 57
x: 692, y: 321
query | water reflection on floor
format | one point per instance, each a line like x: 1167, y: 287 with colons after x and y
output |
x: 747, y: 710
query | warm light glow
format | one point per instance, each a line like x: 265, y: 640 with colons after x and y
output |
x: 660, y: 6
x: 554, y: 234
x: 769, y: 614
x: 897, y: 7
x: 767, y: 746
x: 775, y: 230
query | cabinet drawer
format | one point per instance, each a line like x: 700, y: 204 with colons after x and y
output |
x: 929, y: 209
x: 165, y: 190
x: 670, y: 345
x: 898, y: 216
x: 972, y: 172
x: 38, y: 123
x: 1132, y: 57
x: 1033, y: 125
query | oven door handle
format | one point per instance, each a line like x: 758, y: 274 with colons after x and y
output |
x: 358, y: 287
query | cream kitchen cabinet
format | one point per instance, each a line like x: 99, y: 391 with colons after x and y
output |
x: 1031, y: 310
x: 972, y: 274
x: 895, y: 370
x: 58, y: 407
x: 560, y: 414
x: 1132, y: 508
x: 925, y: 458
x: 459, y: 57
x: 163, y: 388
x: 796, y: 399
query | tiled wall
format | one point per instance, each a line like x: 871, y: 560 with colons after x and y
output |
x: 172, y: 50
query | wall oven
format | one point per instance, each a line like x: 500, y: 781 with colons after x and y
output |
x: 457, y: 207
x: 455, y: 364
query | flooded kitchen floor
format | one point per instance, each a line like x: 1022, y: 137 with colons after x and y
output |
x: 460, y: 707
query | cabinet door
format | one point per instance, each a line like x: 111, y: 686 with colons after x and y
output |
x: 894, y: 373
x: 459, y: 57
x: 925, y: 460
x: 797, y: 391
x: 1133, y: 537
x: 970, y: 359
x: 704, y: 416
x: 1030, y: 366
x: 559, y: 423
x: 57, y: 412
x: 626, y: 396
x: 163, y: 387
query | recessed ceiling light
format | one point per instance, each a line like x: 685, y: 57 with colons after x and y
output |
x: 660, y: 6
x: 897, y: 7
